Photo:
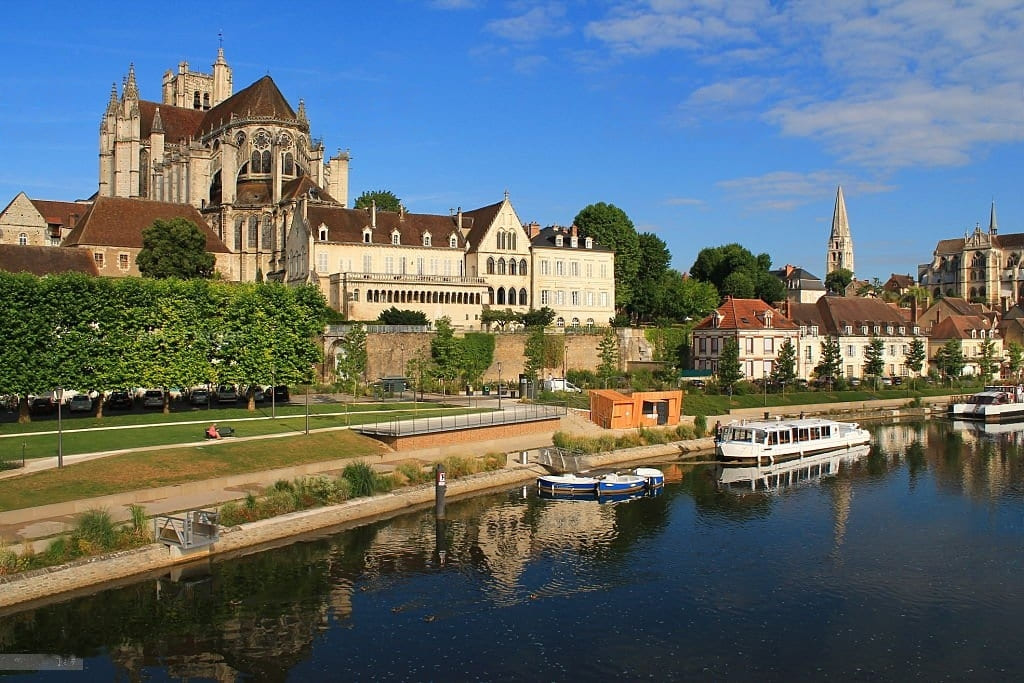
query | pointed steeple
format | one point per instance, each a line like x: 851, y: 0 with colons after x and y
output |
x: 158, y: 123
x: 131, y: 90
x: 302, y: 113
x: 993, y: 228
x: 839, y: 253
x: 112, y: 102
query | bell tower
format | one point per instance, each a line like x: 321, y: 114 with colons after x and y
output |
x: 839, y: 253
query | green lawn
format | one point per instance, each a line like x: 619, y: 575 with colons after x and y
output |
x: 148, y: 469
x: 153, y: 429
x: 705, y: 404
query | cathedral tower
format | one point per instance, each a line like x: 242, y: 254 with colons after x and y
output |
x: 840, y: 243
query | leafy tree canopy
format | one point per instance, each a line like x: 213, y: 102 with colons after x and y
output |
x: 174, y: 248
x: 612, y: 228
x: 386, y: 200
x: 541, y: 317
x: 736, y: 272
x: 838, y: 280
x: 394, y: 316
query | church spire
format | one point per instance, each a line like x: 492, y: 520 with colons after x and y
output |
x: 131, y: 90
x: 840, y: 242
x: 158, y: 123
x: 303, y: 120
x: 993, y: 228
x: 112, y: 102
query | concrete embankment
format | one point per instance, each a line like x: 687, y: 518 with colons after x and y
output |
x: 30, y: 589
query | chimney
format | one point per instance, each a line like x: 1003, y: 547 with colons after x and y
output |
x: 373, y: 213
x: 789, y: 270
x: 458, y: 219
x: 572, y: 230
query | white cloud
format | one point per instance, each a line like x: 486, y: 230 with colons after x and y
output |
x: 787, y: 190
x: 454, y: 4
x: 540, y: 21
x: 684, y: 201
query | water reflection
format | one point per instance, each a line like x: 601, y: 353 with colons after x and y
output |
x: 882, y: 561
x: 774, y: 478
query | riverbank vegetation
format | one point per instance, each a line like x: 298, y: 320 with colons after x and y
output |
x: 644, y: 436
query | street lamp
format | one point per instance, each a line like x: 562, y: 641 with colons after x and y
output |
x: 499, y: 385
x: 59, y: 393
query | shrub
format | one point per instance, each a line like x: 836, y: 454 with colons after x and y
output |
x: 275, y: 503
x: 363, y: 481
x: 231, y: 514
x: 322, y: 490
x: 8, y: 561
x: 283, y: 485
x: 458, y: 466
x: 59, y: 551
x: 653, y: 436
x: 414, y: 473
x: 700, y: 426
x: 627, y: 441
x: 94, y: 531
x: 685, y: 432
x: 139, y: 529
x: 492, y: 461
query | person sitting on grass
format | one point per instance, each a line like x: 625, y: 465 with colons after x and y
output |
x: 212, y: 431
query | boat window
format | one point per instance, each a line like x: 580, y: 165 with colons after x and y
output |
x: 785, y: 437
x: 826, y: 431
x: 815, y: 432
x: 773, y: 438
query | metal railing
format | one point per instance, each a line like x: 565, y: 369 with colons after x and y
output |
x: 196, y: 529
x: 447, y: 423
x: 342, y: 330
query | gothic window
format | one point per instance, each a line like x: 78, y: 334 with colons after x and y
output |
x: 256, y: 165
x: 501, y: 266
x: 206, y: 100
x: 289, y: 164
x: 195, y: 100
x: 522, y: 297
x: 144, y: 173
x: 268, y: 233
x: 501, y: 239
x: 513, y: 235
x: 512, y: 265
x: 240, y: 138
x: 266, y: 162
x: 501, y: 296
x: 978, y: 261
x: 511, y: 296
x: 238, y: 233
x: 522, y: 267
x: 254, y: 231
x: 490, y: 266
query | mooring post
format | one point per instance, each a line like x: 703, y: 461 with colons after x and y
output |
x: 440, y: 486
x: 441, y: 540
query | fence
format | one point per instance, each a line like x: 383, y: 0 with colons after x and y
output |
x: 196, y: 529
x: 447, y: 423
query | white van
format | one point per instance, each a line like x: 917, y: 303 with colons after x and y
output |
x: 561, y: 384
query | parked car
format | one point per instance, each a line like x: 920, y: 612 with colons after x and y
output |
x: 153, y: 398
x: 887, y: 381
x: 561, y: 384
x: 226, y: 393
x: 897, y: 381
x: 120, y: 400
x: 281, y: 393
x: 854, y: 382
x: 199, y: 397
x: 80, y: 403
x: 697, y: 383
x: 43, y: 404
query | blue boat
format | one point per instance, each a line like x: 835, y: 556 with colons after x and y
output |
x: 655, y: 477
x: 603, y: 498
x: 571, y: 484
x: 620, y: 483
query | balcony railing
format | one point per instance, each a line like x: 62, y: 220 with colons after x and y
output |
x: 414, y: 278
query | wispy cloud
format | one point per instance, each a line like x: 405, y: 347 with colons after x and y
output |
x: 788, y: 190
x: 453, y: 4
x: 887, y: 85
x: 540, y: 21
x: 683, y: 201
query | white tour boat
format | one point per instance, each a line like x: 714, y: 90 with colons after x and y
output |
x: 995, y: 403
x: 774, y: 478
x: 771, y: 441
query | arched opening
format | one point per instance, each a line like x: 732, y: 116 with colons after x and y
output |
x: 501, y: 296
x: 522, y: 297
x: 501, y: 266
x: 511, y: 296
x: 522, y: 267
x: 490, y: 265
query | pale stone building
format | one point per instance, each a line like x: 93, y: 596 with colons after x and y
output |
x: 38, y: 222
x: 572, y: 275
x: 802, y: 287
x: 759, y: 330
x: 972, y: 331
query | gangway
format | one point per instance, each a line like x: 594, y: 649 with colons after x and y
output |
x: 196, y: 529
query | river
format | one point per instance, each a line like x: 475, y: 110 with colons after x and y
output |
x: 903, y: 563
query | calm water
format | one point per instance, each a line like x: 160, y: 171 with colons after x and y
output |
x: 905, y: 564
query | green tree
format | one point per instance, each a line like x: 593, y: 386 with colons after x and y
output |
x: 830, y: 367
x: 874, y: 361
x: 608, y: 354
x: 1015, y: 358
x: 541, y: 317
x: 501, y: 318
x: 174, y: 248
x: 988, y: 359
x: 446, y: 352
x: 739, y: 285
x: 386, y: 200
x: 837, y: 281
x: 682, y: 299
x: 736, y: 272
x: 729, y: 370
x: 648, y: 296
x: 950, y: 358
x: 477, y: 355
x: 394, y: 316
x: 784, y: 370
x: 351, y: 357
x: 533, y: 352
x: 916, y: 355
x: 609, y: 226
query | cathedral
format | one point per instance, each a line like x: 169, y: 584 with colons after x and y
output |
x: 241, y: 159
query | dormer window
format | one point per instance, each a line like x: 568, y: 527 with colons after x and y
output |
x: 888, y: 329
x: 974, y: 334
x: 559, y: 240
x: 863, y: 329
x: 767, y: 318
x: 426, y: 239
x: 717, y: 319
x: 876, y: 329
x: 589, y: 243
x: 814, y: 330
x: 848, y: 329
x: 367, y: 235
x: 574, y: 241
x: 917, y: 330
x: 803, y: 330
x: 322, y: 233
x: 396, y: 237
x: 453, y: 241
x: 903, y: 330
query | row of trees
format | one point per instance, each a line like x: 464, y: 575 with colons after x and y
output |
x: 87, y: 333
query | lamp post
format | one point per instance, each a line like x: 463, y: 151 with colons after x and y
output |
x: 307, y: 409
x: 273, y: 394
x: 499, y: 385
x: 60, y: 427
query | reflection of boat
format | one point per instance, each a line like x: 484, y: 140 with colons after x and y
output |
x: 778, y: 440
x: 996, y: 402
x: 571, y: 484
x: 781, y: 475
x: 1010, y: 430
x: 641, y: 479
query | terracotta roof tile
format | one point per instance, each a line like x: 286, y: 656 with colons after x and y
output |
x: 65, y: 214
x: 119, y: 222
x: 746, y: 314
x: 840, y: 311
x: 346, y: 225
x: 262, y: 98
x: 480, y: 221
x: 959, y: 327
x: 45, y: 260
x: 179, y: 123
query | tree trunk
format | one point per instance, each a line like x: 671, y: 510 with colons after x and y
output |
x: 99, y: 406
x: 167, y: 402
x: 23, y: 415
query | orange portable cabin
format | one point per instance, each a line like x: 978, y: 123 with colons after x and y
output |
x: 613, y: 410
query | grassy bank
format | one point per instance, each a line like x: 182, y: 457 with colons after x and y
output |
x: 149, y: 469
x: 706, y: 404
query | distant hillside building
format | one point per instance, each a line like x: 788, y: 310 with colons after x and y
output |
x: 38, y: 222
x: 801, y: 286
x: 759, y: 330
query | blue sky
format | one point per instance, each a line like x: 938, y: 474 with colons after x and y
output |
x: 707, y: 121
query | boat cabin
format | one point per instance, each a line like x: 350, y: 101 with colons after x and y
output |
x: 775, y: 435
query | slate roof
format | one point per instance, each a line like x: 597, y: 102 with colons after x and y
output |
x: 480, y: 220
x: 346, y: 225
x: 746, y: 314
x: 262, y: 98
x: 546, y: 239
x: 119, y: 222
x: 45, y: 260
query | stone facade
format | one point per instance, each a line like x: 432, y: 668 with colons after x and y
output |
x: 573, y: 276
x: 840, y: 242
